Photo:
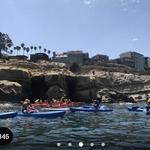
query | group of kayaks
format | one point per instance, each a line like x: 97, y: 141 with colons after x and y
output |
x: 139, y: 109
x: 54, y: 112
x: 60, y: 112
x: 55, y: 104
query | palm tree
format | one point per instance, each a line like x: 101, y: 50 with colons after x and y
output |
x: 18, y: 48
x: 11, y: 51
x: 40, y: 48
x: 27, y: 50
x: 35, y: 48
x: 48, y: 52
x: 22, y: 46
x: 45, y: 50
x: 31, y: 47
x: 24, y: 49
x: 14, y: 48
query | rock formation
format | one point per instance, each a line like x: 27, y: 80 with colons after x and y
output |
x: 25, y: 81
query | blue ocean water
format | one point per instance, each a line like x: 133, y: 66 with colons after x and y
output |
x: 117, y: 130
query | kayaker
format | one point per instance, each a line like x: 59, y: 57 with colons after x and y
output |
x: 41, y: 101
x: 25, y: 105
x: 62, y: 100
x: 148, y: 104
x: 31, y: 109
x: 36, y: 101
x: 96, y: 104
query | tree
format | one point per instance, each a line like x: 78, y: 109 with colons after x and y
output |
x: 45, y: 50
x: 48, y: 52
x: 23, y: 46
x: 18, y: 49
x: 5, y: 42
x: 31, y: 47
x: 40, y: 48
x: 11, y: 51
x: 27, y: 49
x: 15, y: 49
x: 74, y: 67
x: 35, y: 48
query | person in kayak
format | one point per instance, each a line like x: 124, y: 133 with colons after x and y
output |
x: 148, y: 104
x: 31, y: 109
x: 24, y: 106
x: 36, y: 101
x: 96, y: 104
x: 27, y: 107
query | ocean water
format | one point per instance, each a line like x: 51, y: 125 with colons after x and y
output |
x: 117, y: 130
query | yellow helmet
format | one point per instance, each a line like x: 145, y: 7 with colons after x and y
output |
x: 148, y: 100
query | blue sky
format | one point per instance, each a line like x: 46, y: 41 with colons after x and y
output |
x: 95, y: 26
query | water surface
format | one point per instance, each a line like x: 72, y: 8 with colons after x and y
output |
x: 119, y: 130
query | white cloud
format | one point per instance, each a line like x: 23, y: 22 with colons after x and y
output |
x: 88, y: 2
x: 128, y: 3
x: 124, y: 4
x: 135, y: 39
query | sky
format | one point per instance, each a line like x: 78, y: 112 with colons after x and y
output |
x: 95, y: 26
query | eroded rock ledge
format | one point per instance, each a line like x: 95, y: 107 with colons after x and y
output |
x: 17, y: 83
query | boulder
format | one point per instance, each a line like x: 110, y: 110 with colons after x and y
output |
x: 55, y: 92
x: 109, y: 95
x: 10, y: 91
x: 21, y: 76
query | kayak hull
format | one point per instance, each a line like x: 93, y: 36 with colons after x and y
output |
x: 90, y: 109
x: 148, y: 113
x: 5, y: 115
x: 49, y: 114
x: 136, y: 109
x: 56, y: 109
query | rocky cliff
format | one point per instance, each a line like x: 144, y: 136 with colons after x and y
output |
x: 47, y: 82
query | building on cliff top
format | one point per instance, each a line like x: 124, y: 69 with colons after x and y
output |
x: 133, y: 59
x: 147, y: 63
x: 71, y: 57
x: 39, y: 56
x: 100, y: 58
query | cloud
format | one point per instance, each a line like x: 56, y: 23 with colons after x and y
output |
x: 128, y: 3
x: 88, y: 2
x: 135, y: 39
x: 124, y: 4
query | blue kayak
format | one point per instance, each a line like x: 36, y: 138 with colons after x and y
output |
x: 148, y: 113
x: 136, y: 109
x: 90, y: 109
x: 139, y: 109
x: 4, y: 115
x: 48, y: 114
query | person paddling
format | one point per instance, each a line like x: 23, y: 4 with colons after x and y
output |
x: 148, y: 104
x: 27, y: 107
x: 96, y: 104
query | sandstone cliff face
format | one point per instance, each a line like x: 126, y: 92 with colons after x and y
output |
x: 110, y: 86
x: 10, y: 91
x: 16, y: 77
